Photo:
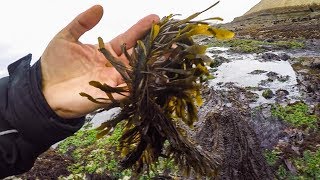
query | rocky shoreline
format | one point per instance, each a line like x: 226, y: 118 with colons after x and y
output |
x: 274, y: 132
x: 261, y: 112
x: 279, y: 23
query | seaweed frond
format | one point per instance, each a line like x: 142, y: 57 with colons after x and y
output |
x: 164, y: 77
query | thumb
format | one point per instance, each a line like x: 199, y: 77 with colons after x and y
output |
x: 82, y: 23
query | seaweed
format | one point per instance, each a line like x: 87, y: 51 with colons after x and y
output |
x: 164, y: 77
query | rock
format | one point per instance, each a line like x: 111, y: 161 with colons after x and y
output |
x: 265, y: 82
x: 213, y: 70
x: 250, y: 88
x: 308, y: 79
x: 311, y: 62
x: 284, y: 56
x: 268, y: 94
x: 258, y: 71
x: 217, y: 61
x: 296, y: 149
x: 282, y: 92
x: 290, y: 167
x: 269, y: 40
x: 268, y: 128
x: 303, y: 71
x: 316, y: 63
x: 267, y: 47
x: 272, y: 75
x: 306, y: 62
x: 228, y: 135
x: 283, y: 78
x: 270, y: 56
x: 49, y: 165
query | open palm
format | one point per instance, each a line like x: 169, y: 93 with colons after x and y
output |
x: 68, y: 65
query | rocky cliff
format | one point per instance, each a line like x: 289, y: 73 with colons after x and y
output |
x: 278, y: 4
x: 281, y: 19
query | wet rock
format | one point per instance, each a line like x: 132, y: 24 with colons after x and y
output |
x: 270, y: 57
x: 303, y: 71
x: 295, y: 136
x: 281, y: 97
x: 218, y: 60
x: 282, y: 92
x: 290, y: 166
x: 268, y: 128
x: 229, y: 85
x: 283, y: 78
x: 308, y: 80
x: 269, y: 40
x: 284, y: 56
x: 272, y: 76
x: 268, y: 94
x: 219, y: 83
x: 313, y: 44
x: 221, y: 59
x: 258, y: 72
x: 316, y: 63
x: 296, y: 149
x: 213, y: 70
x: 306, y: 62
x: 227, y: 134
x: 267, y: 47
x: 49, y: 165
x: 202, y: 39
x: 311, y: 62
x: 250, y: 88
x: 265, y: 82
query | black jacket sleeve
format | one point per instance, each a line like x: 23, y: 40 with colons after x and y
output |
x: 28, y: 126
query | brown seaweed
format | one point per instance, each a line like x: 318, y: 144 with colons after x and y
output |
x: 164, y: 77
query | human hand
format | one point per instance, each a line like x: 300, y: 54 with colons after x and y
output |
x: 68, y: 65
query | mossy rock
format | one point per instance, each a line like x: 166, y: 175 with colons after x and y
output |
x: 268, y: 94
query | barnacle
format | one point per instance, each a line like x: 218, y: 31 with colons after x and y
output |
x: 164, y: 76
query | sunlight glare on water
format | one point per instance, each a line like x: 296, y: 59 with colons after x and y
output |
x: 238, y: 72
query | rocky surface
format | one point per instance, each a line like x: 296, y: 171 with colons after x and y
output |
x: 265, y: 5
x: 229, y: 91
x: 228, y: 133
x: 49, y: 165
x: 279, y: 21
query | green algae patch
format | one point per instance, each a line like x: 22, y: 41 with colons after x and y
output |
x: 297, y: 114
x: 255, y: 46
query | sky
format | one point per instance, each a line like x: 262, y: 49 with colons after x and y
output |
x: 28, y: 26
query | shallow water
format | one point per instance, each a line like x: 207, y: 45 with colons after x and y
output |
x: 237, y: 71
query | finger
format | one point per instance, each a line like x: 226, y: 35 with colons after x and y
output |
x: 133, y: 34
x: 82, y: 23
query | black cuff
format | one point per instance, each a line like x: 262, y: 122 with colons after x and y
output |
x: 29, y: 112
